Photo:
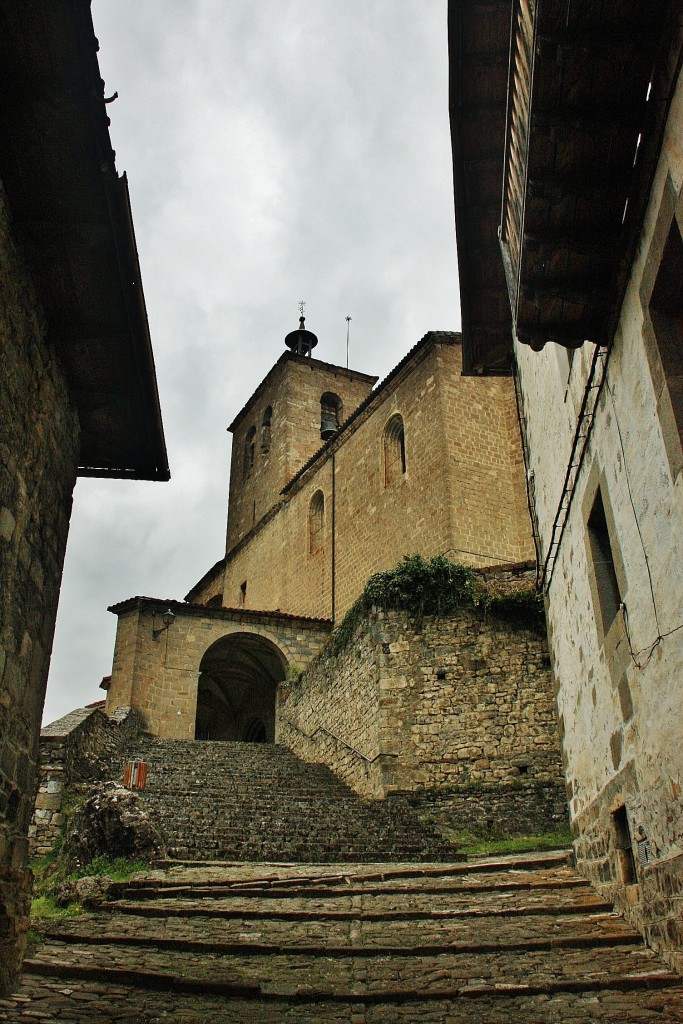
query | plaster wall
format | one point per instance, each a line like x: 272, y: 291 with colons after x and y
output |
x: 620, y: 693
x: 39, y: 437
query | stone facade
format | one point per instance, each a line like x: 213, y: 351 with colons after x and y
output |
x: 159, y: 676
x: 282, y: 422
x: 618, y: 660
x: 69, y: 751
x: 457, y: 711
x: 429, y: 462
x: 39, y: 438
x: 460, y: 492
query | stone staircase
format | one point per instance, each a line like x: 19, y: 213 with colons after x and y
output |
x: 485, y: 942
x: 258, y: 802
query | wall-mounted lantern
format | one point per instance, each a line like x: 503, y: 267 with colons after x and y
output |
x: 167, y: 617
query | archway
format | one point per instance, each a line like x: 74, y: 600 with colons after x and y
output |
x: 236, y: 691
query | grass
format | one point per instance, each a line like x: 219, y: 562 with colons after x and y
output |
x: 50, y: 873
x: 44, y: 908
x: 477, y: 845
x: 119, y: 869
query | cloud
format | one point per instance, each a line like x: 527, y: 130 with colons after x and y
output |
x: 276, y: 150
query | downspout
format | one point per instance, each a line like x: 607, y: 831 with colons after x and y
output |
x: 333, y: 538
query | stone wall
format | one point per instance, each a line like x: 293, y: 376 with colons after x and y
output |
x: 292, y: 390
x: 454, y: 710
x: 620, y: 683
x: 69, y: 751
x: 38, y: 455
x: 462, y: 492
x: 158, y: 677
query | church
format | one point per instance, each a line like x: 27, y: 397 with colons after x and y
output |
x: 334, y: 478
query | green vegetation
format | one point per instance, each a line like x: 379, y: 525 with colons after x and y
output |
x: 120, y: 869
x: 473, y: 845
x: 437, y: 586
x: 51, y: 875
x: 46, y: 908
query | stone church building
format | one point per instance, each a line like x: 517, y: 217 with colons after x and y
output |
x: 332, y: 479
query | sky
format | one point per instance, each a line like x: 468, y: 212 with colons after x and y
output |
x: 276, y: 151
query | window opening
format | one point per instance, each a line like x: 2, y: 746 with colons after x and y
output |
x: 330, y: 414
x: 394, y: 450
x: 609, y: 596
x: 265, y: 430
x: 666, y: 313
x: 625, y: 859
x: 316, y: 523
x: 249, y: 446
x: 243, y: 593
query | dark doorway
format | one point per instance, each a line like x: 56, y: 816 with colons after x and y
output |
x: 238, y: 682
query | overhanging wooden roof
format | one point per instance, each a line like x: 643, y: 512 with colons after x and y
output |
x: 71, y: 214
x: 479, y: 46
x: 583, y: 124
x: 583, y: 139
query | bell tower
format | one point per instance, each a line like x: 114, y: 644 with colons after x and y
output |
x: 298, y: 406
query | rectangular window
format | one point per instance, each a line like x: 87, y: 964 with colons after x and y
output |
x: 243, y: 593
x: 606, y: 582
x: 625, y: 859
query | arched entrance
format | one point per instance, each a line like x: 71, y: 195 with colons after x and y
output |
x: 236, y: 690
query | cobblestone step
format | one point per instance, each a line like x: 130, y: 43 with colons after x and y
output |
x: 357, y: 979
x: 100, y: 1003
x: 332, y: 937
x: 245, y: 801
x: 307, y: 945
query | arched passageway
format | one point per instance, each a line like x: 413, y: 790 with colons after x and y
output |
x: 236, y: 691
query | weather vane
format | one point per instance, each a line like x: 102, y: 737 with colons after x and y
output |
x: 348, y: 323
x: 302, y: 309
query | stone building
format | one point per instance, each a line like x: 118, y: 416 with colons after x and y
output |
x: 567, y: 125
x: 77, y: 385
x: 332, y: 480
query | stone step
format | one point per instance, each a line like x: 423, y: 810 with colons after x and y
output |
x: 485, y: 942
x: 415, y: 910
x: 297, y: 977
x: 221, y: 890
x: 327, y: 936
x: 93, y: 1002
x: 249, y: 802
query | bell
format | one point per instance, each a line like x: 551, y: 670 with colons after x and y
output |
x: 328, y: 425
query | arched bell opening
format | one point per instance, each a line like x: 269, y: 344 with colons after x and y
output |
x: 238, y: 680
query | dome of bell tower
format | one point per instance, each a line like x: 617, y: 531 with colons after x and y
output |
x: 301, y: 341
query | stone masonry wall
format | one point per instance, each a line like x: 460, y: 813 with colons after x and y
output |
x: 456, y: 711
x: 293, y: 390
x: 332, y: 714
x: 620, y: 691
x: 38, y: 456
x: 159, y: 677
x: 462, y: 493
x: 69, y: 751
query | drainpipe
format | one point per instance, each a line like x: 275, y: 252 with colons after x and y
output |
x: 333, y: 539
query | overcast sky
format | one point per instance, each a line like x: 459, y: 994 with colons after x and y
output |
x: 276, y: 150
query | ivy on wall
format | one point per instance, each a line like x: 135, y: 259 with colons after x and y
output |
x: 437, y: 586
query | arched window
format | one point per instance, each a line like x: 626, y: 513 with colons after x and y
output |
x: 265, y: 430
x: 394, y: 450
x: 316, y: 523
x: 249, y: 448
x: 330, y: 414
